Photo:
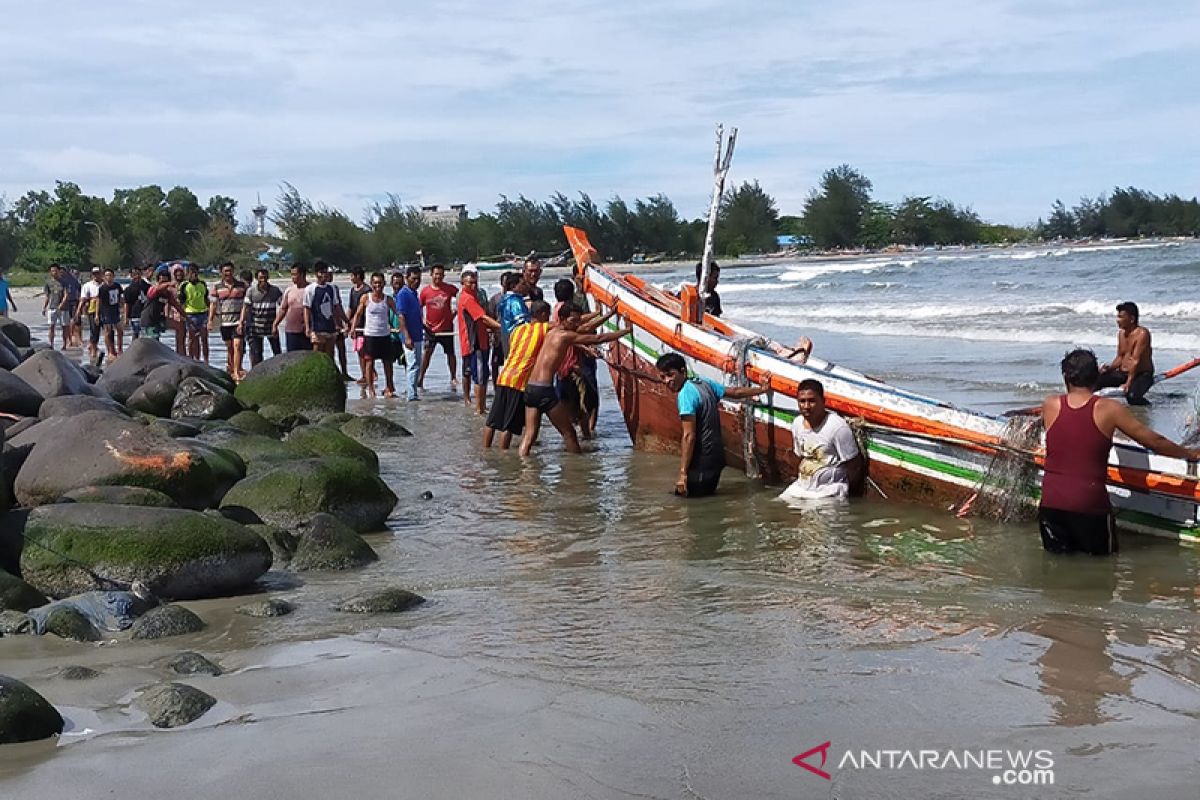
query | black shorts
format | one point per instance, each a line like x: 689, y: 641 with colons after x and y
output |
x: 703, y: 482
x: 1141, y: 383
x: 543, y: 398
x: 508, y: 411
x: 229, y: 333
x: 443, y: 340
x: 378, y: 347
x: 296, y: 341
x: 1074, y: 532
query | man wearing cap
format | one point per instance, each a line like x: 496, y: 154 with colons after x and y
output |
x: 89, y: 300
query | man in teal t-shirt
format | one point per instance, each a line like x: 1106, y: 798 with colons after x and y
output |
x: 701, y: 451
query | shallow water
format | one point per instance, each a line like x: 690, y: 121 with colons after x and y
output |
x: 590, y: 635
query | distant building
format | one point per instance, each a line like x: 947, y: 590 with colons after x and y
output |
x: 449, y: 218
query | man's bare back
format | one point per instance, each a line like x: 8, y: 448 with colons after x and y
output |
x: 550, y: 358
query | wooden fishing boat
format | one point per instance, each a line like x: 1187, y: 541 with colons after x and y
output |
x: 919, y: 449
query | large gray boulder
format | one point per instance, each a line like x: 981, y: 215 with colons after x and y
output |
x: 300, y: 382
x: 253, y: 422
x: 25, y: 716
x: 169, y: 705
x: 177, y: 553
x: 107, y: 449
x: 17, y: 396
x: 69, y: 405
x: 318, y: 441
x: 197, y: 398
x: 156, y: 393
x: 258, y: 452
x: 290, y: 494
x: 373, y: 429
x: 51, y: 374
x: 139, y: 361
x: 17, y: 595
x: 119, y: 495
x: 10, y: 354
x: 15, y: 332
x: 327, y: 543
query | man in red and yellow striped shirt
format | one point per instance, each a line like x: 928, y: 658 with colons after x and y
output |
x: 524, y: 344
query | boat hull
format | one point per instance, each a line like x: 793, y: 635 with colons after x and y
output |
x: 919, y: 449
x: 901, y: 468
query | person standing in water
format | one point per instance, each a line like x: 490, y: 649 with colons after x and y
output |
x: 323, y: 314
x: 373, y: 314
x: 1075, y: 514
x: 701, y: 451
x: 258, y: 316
x: 541, y: 397
x: 411, y: 328
x: 474, y: 335
x: 195, y: 305
x: 358, y: 290
x: 437, y: 299
x: 1133, y: 367
x: 226, y: 311
x: 291, y: 312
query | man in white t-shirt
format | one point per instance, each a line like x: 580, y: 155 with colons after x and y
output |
x: 89, y: 304
x: 830, y: 462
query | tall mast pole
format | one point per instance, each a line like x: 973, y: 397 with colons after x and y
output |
x: 721, y: 161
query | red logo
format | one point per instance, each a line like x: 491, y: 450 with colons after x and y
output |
x: 823, y: 749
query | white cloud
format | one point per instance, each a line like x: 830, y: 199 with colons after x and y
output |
x: 1003, y: 105
x: 80, y: 162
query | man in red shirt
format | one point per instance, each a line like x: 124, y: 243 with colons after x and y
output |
x: 474, y: 327
x: 437, y: 301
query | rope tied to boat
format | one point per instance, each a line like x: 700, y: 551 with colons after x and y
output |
x: 741, y: 354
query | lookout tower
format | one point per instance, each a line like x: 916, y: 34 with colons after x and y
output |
x: 260, y: 218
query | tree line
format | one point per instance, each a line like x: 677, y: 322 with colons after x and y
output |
x: 145, y: 224
x: 392, y: 231
x: 136, y: 226
x: 1126, y: 213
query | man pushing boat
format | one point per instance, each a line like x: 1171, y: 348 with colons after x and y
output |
x: 1075, y: 514
x: 701, y: 451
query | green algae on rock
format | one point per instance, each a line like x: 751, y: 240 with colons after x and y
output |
x: 177, y: 553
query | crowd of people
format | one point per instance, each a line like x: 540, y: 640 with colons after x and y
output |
x: 536, y: 355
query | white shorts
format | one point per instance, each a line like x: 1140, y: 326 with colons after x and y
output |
x: 56, y: 317
x: 801, y: 491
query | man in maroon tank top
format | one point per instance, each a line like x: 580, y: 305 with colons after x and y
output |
x: 1075, y: 515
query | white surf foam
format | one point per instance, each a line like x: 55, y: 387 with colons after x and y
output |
x: 952, y: 311
x: 1189, y: 343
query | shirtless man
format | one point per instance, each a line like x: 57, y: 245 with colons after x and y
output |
x: 540, y: 395
x: 1133, y: 368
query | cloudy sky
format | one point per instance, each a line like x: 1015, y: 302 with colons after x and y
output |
x: 999, y: 104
